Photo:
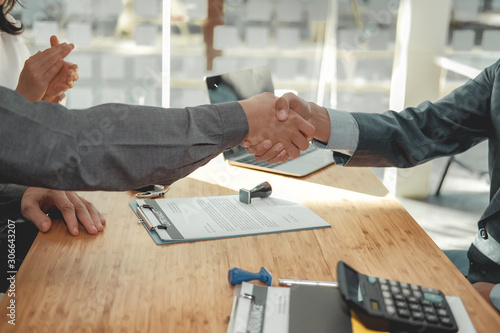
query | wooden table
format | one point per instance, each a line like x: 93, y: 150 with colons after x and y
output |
x: 120, y: 281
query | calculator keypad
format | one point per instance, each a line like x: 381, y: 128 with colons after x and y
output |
x: 410, y: 301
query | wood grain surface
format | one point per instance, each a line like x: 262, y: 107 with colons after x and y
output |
x: 121, y: 281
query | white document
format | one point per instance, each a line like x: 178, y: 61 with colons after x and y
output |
x: 185, y: 219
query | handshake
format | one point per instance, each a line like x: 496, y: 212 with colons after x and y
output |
x: 279, y: 128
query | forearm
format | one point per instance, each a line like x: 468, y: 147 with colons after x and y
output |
x: 111, y: 147
x: 419, y: 134
x: 415, y: 135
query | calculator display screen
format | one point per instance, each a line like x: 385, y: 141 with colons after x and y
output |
x: 353, y: 286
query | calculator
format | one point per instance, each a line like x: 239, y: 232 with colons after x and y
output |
x: 388, y: 305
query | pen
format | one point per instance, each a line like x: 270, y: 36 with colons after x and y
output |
x: 291, y: 282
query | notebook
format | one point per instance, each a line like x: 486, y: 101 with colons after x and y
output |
x: 242, y: 84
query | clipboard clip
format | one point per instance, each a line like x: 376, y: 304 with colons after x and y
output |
x: 156, y: 191
x: 147, y: 221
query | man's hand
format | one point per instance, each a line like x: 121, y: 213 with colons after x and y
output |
x: 291, y: 101
x: 41, y: 69
x: 484, y: 289
x: 36, y: 201
x: 266, y: 151
x: 294, y: 133
x: 316, y: 115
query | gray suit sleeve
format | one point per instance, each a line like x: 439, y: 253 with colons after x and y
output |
x: 110, y: 146
x: 10, y: 200
x: 416, y: 135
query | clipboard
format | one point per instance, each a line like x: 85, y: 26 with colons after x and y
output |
x: 148, y: 219
x: 310, y: 309
x: 259, y: 309
x: 173, y: 220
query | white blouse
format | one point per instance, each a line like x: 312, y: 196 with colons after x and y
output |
x: 13, y: 54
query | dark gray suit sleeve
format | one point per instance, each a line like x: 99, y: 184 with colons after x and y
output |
x: 111, y: 146
x: 418, y: 134
x: 10, y: 200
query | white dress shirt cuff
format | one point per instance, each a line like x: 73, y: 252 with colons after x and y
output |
x: 344, y: 133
